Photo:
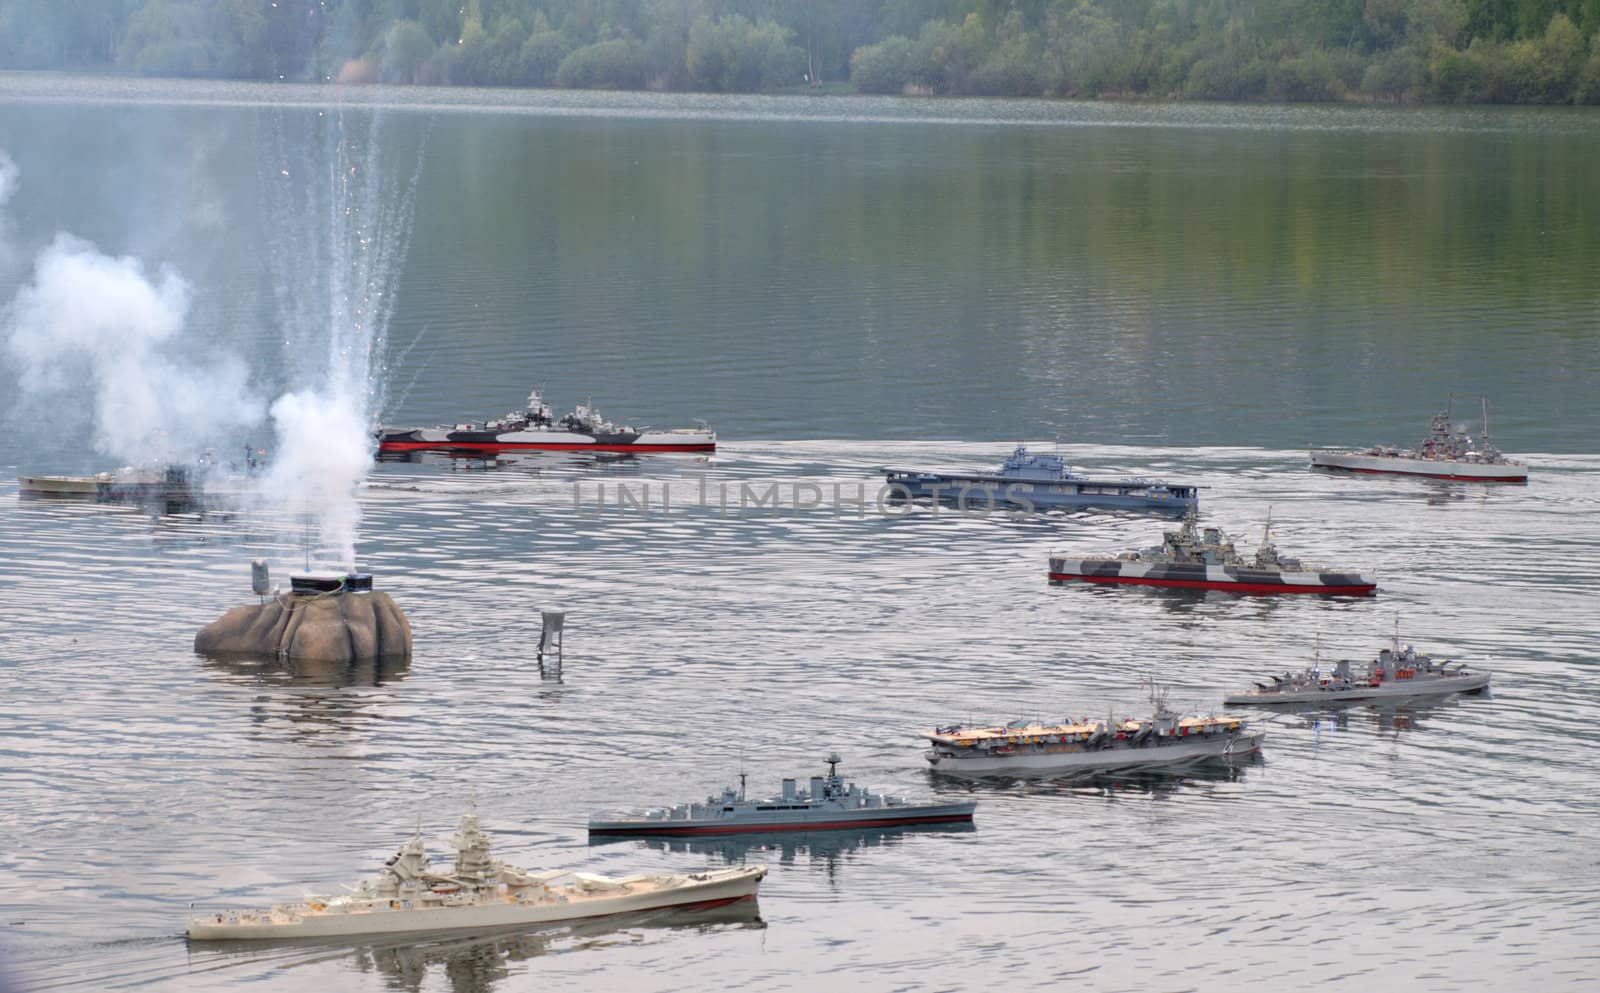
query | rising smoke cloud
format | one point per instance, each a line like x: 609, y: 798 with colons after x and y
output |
x: 96, y: 329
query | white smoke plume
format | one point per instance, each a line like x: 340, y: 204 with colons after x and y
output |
x: 8, y: 186
x: 324, y: 451
x: 97, y: 330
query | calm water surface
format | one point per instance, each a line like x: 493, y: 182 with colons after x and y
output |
x: 1189, y: 291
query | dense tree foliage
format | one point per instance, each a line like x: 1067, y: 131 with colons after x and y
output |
x: 1505, y: 51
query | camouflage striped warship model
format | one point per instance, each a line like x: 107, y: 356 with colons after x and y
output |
x: 1205, y: 559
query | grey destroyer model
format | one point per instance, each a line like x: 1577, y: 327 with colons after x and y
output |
x: 1205, y: 559
x: 829, y: 804
x: 1030, y: 482
x: 1165, y: 738
x: 477, y: 893
x: 1398, y: 672
x: 1448, y: 452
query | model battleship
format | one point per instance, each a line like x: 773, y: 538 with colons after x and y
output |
x: 478, y: 892
x: 1448, y: 452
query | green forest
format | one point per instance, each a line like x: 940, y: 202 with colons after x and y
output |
x: 1450, y: 51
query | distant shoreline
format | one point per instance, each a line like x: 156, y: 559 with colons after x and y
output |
x: 26, y: 84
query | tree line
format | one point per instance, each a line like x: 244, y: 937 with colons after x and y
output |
x: 1478, y: 51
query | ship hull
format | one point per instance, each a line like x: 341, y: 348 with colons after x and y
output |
x: 727, y: 887
x: 822, y: 821
x: 981, y: 493
x: 1397, y: 689
x: 1074, y: 757
x: 1394, y: 465
x: 444, y: 440
x: 1228, y: 579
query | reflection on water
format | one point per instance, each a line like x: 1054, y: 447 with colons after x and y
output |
x: 1158, y: 784
x: 469, y: 963
x: 788, y: 847
x: 307, y: 672
x: 1382, y: 716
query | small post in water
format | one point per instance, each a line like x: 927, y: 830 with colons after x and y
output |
x: 550, y: 643
x: 260, y: 582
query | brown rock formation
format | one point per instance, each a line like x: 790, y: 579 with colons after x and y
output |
x: 335, y: 627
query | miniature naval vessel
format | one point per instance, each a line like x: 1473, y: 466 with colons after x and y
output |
x: 478, y: 892
x: 1043, y: 481
x: 1398, y: 672
x: 1205, y: 559
x: 122, y: 484
x: 829, y: 804
x: 1448, y: 452
x: 534, y: 429
x: 1165, y: 738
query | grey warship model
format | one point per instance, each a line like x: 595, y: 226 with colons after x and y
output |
x: 830, y: 803
x: 1449, y: 452
x: 1204, y: 559
x: 1398, y: 672
x: 1045, y: 482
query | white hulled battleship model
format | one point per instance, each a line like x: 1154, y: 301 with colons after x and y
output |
x: 534, y: 429
x: 478, y: 892
x: 1165, y: 738
x: 1204, y: 559
x: 1398, y: 672
x: 829, y: 804
x: 1448, y: 453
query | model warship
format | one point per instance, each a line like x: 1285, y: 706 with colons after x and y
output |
x: 1165, y: 738
x: 1205, y: 559
x: 534, y: 429
x: 1030, y: 482
x: 478, y: 892
x: 1398, y: 672
x: 1449, y: 452
x: 829, y: 804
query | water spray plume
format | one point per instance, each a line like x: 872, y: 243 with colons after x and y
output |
x: 335, y: 255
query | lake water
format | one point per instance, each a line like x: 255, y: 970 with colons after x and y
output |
x: 1197, y: 292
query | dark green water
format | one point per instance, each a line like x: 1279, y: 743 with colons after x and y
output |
x: 798, y: 268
